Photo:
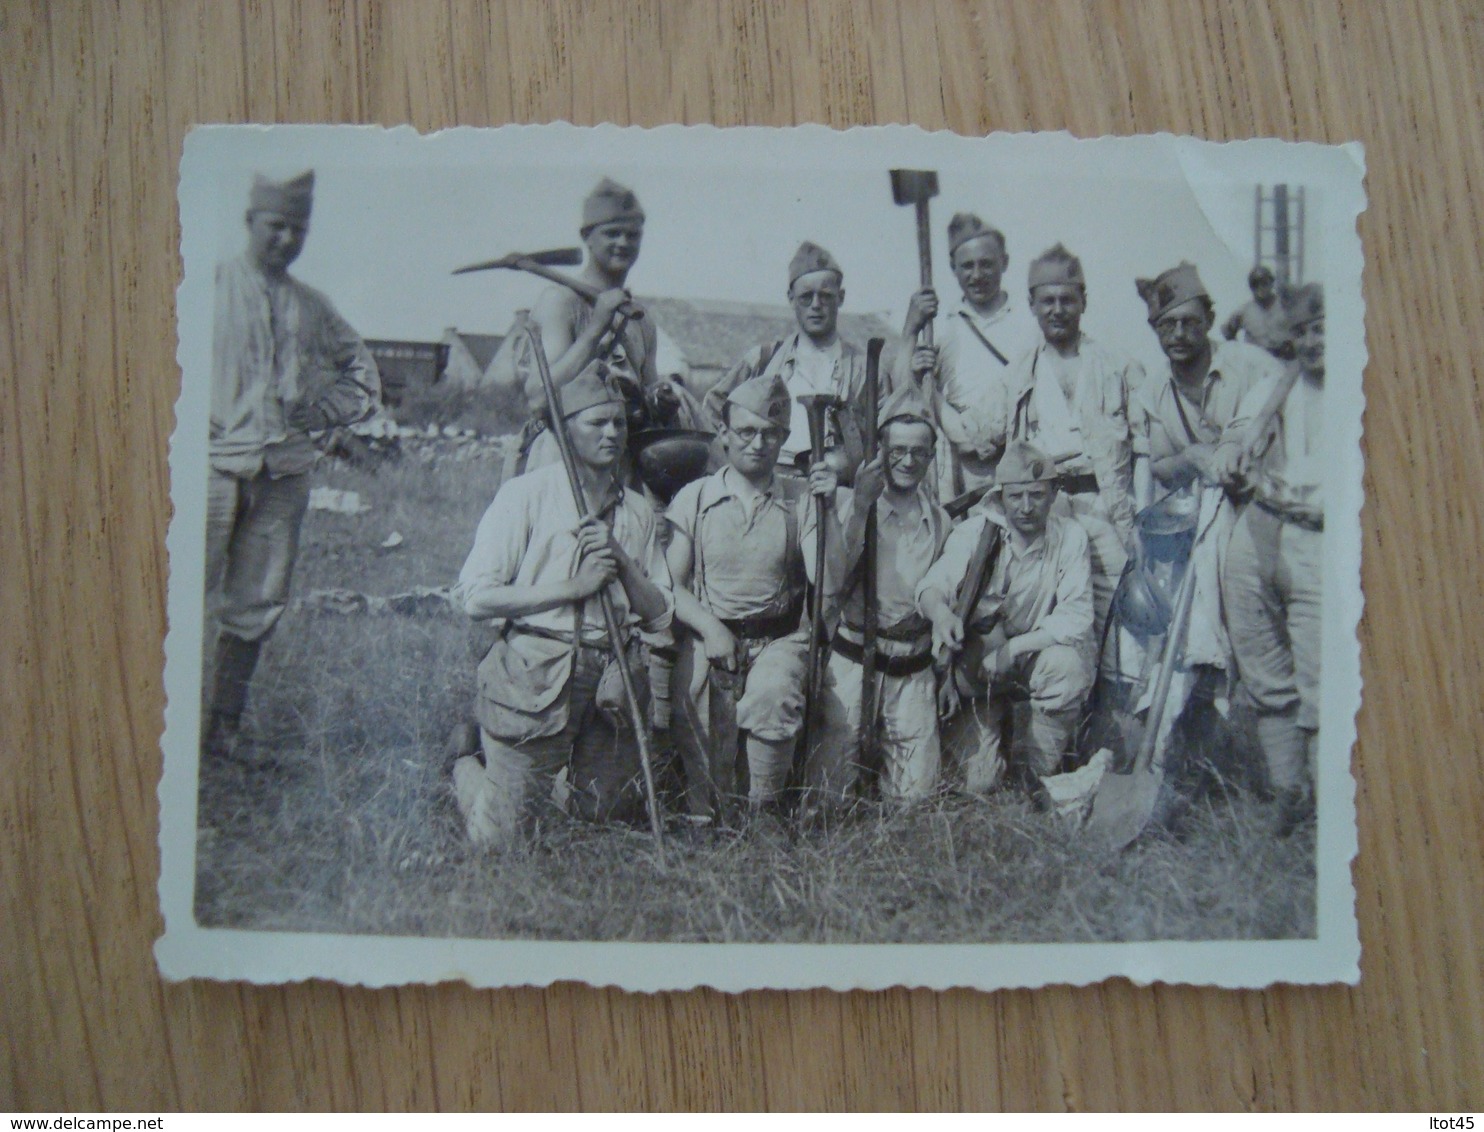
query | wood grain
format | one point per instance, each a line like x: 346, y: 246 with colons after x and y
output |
x: 96, y: 99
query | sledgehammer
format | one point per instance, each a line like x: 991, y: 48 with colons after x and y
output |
x: 916, y: 187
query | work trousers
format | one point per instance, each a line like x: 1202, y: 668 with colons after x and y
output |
x: 252, y: 539
x: 1058, y: 680
x: 1108, y: 552
x: 906, y: 733
x: 1271, y: 589
x: 764, y: 700
x: 597, y: 747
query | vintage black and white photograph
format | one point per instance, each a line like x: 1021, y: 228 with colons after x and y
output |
x: 730, y: 540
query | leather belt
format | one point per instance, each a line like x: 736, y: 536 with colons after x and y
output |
x: 1298, y: 517
x: 765, y: 627
x: 885, y: 664
x: 912, y: 629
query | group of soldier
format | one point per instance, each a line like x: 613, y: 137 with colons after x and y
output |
x: 973, y: 569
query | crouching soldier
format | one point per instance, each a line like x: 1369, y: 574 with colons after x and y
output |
x: 1029, y: 628
x: 549, y: 697
x: 910, y: 531
x: 1274, y: 452
x: 739, y: 586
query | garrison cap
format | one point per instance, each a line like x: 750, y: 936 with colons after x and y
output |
x: 1056, y: 265
x: 1305, y: 305
x: 1024, y: 463
x: 595, y: 385
x: 906, y: 405
x: 291, y: 199
x: 1170, y: 288
x: 965, y: 226
x: 610, y: 202
x: 766, y: 396
x: 809, y: 258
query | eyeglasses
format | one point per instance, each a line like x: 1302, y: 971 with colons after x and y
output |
x: 900, y: 455
x: 770, y: 436
x: 1170, y: 326
x: 826, y: 298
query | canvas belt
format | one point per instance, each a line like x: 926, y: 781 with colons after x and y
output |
x: 912, y: 630
x: 1299, y: 516
x: 599, y: 643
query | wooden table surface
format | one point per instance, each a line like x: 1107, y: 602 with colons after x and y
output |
x: 96, y: 99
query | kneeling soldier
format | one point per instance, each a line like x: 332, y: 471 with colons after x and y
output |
x: 1029, y: 629
x: 910, y: 531
x: 739, y: 585
x: 548, y: 695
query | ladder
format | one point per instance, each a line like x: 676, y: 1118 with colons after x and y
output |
x: 1278, y: 232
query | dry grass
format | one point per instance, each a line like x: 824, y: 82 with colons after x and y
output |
x: 355, y: 830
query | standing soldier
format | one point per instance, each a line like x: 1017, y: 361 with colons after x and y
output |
x: 739, y: 578
x: 976, y: 344
x: 910, y: 531
x: 576, y: 332
x: 1069, y: 397
x: 548, y: 696
x: 284, y: 365
x: 1272, y: 583
x: 814, y: 360
x: 1029, y: 628
x: 1263, y: 321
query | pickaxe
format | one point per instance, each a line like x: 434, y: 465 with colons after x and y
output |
x: 541, y: 263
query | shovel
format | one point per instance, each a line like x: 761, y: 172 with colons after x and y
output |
x: 1124, y: 802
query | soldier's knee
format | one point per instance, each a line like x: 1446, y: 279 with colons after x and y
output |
x: 1061, y: 678
x: 772, y: 706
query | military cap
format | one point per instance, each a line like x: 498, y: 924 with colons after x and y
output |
x: 1170, y: 288
x: 595, y: 385
x: 1024, y: 463
x: 965, y: 226
x: 766, y: 396
x: 291, y: 199
x: 610, y: 202
x: 1056, y: 265
x: 1305, y: 305
x: 906, y: 404
x: 809, y: 258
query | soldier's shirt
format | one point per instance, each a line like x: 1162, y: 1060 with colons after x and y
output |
x: 528, y: 537
x: 1077, y: 411
x: 1264, y: 327
x: 909, y: 536
x: 744, y: 563
x: 276, y: 342
x: 1042, y: 585
x: 1289, y: 471
x: 971, y: 376
x: 813, y: 371
x: 1165, y: 422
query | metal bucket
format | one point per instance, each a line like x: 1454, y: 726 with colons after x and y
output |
x: 667, y: 459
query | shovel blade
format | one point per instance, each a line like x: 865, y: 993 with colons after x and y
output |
x: 912, y: 186
x: 1123, y: 806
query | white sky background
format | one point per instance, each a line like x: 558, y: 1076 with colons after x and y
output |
x: 395, y: 213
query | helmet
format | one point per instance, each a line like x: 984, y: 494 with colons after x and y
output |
x: 1140, y: 603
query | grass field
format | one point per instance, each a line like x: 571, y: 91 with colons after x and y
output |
x: 354, y: 829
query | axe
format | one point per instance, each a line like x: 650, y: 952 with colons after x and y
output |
x: 916, y: 187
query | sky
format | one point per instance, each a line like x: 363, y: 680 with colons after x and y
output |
x: 396, y: 212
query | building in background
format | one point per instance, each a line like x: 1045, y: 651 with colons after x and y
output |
x: 406, y: 367
x: 710, y: 336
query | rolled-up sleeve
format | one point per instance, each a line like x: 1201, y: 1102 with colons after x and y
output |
x: 946, y: 574
x: 499, y: 543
